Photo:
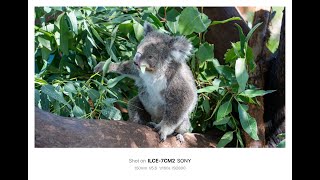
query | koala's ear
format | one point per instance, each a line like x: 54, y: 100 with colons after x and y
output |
x: 147, y: 28
x: 180, y: 48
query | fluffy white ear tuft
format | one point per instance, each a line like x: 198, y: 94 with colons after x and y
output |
x: 147, y: 28
x: 181, y: 48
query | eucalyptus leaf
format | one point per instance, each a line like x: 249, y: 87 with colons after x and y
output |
x: 37, y: 97
x: 242, y: 38
x: 91, y: 40
x: 282, y: 144
x: 64, y: 35
x: 206, y: 105
x: 225, y: 139
x: 109, y: 101
x: 112, y: 82
x: 47, y: 9
x: 207, y: 89
x: 191, y: 20
x: 45, y: 42
x: 96, y: 34
x: 231, y: 55
x: 93, y: 94
x: 222, y: 127
x: 113, y: 35
x: 50, y: 91
x: 240, y: 138
x: 156, y: 21
x: 138, y: 30
x: 44, y: 102
x: 172, y: 15
x: 40, y: 81
x: 241, y: 74
x: 45, y: 53
x: 210, y: 89
x: 205, y: 52
x: 77, y: 111
x: 111, y: 112
x: 255, y: 92
x: 73, y: 20
x: 248, y: 123
x: 224, y: 109
x: 106, y: 67
x: 221, y: 121
x: 82, y: 102
x: 226, y: 72
x: 173, y: 26
x: 245, y: 99
x: 56, y: 107
x: 225, y: 21
x: 69, y: 87
x: 252, y: 31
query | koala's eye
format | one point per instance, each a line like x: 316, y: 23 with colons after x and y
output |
x: 150, y: 57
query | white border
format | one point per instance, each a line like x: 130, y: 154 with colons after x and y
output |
x: 107, y: 163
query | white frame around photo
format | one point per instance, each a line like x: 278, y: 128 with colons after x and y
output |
x: 124, y: 163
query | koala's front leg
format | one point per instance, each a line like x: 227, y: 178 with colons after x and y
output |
x: 126, y: 67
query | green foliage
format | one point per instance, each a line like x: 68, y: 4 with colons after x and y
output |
x: 70, y: 41
x: 225, y: 139
x: 282, y: 143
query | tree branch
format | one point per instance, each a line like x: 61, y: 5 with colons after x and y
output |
x: 63, y: 132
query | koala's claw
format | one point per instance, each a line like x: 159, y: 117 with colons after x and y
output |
x: 157, y: 128
x: 180, y: 138
x: 162, y: 138
x: 152, y: 125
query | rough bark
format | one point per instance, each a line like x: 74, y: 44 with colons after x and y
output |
x: 63, y: 132
x: 258, y: 43
x: 222, y: 35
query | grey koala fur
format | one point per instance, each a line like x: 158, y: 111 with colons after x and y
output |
x: 167, y: 90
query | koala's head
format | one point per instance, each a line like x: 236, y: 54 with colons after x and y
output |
x: 158, y: 48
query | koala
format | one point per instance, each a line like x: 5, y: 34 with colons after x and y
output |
x: 167, y: 91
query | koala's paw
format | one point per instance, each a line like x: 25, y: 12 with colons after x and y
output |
x: 152, y: 125
x: 99, y: 67
x: 163, y: 137
x: 156, y: 127
x: 180, y: 138
x: 163, y: 133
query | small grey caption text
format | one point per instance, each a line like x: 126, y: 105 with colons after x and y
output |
x: 160, y: 164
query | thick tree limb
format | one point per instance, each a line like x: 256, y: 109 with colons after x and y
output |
x: 56, y: 131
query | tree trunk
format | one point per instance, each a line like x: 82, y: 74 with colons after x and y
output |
x: 63, y: 132
x: 266, y: 76
x: 258, y: 43
x: 221, y: 35
x: 274, y: 103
